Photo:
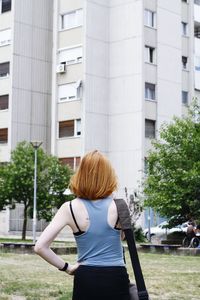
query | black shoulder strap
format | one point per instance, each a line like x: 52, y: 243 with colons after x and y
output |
x: 70, y: 206
x: 125, y: 221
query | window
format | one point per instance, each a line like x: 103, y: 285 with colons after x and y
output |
x: 149, y: 18
x: 71, y: 56
x: 70, y: 91
x: 72, y: 19
x: 150, y: 131
x: 184, y: 62
x: 197, y: 63
x: 3, y: 102
x: 4, y: 69
x: 3, y: 135
x: 184, y: 28
x: 69, y: 128
x: 150, y: 91
x: 5, y: 5
x: 149, y: 54
x: 197, y: 2
x: 5, y: 37
x: 73, y: 162
x: 184, y: 97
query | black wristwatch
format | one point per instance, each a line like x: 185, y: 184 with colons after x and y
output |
x: 65, y: 267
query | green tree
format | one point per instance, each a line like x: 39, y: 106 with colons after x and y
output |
x: 17, y: 182
x: 172, y: 186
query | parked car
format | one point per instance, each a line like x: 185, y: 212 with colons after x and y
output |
x: 161, y: 231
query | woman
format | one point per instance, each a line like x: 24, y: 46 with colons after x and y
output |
x: 99, y: 273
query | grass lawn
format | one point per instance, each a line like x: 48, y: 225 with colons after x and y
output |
x: 167, y: 277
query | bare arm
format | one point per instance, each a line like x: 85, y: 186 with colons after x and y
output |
x: 42, y: 247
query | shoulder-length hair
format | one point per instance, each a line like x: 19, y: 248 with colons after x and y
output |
x: 95, y: 177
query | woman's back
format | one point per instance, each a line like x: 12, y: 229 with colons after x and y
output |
x: 98, y: 240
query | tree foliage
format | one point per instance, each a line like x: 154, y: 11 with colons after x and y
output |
x: 172, y: 186
x: 17, y: 182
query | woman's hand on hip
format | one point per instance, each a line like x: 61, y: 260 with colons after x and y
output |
x: 72, y: 268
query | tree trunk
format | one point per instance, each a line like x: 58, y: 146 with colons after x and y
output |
x: 24, y: 222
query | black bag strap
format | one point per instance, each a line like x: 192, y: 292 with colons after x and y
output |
x: 125, y: 221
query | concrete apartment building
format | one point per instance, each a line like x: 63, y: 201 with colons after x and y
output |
x: 96, y: 74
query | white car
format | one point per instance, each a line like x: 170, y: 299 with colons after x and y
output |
x: 161, y: 231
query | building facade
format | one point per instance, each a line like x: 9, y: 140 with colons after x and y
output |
x: 96, y: 74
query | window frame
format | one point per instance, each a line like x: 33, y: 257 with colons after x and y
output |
x: 76, y: 161
x: 184, y: 63
x: 149, y: 18
x: 6, y: 74
x: 184, y: 30
x: 1, y: 7
x: 146, y: 129
x: 7, y: 106
x: 184, y: 100
x: 76, y: 22
x: 76, y: 60
x: 149, y: 54
x: 68, y: 98
x: 3, y: 142
x: 148, y: 89
x: 76, y: 126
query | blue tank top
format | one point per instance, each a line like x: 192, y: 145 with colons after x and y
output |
x: 100, y: 244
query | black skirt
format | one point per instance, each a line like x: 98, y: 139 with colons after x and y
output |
x: 101, y: 283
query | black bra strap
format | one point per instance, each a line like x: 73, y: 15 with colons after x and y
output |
x: 70, y: 205
x: 117, y: 223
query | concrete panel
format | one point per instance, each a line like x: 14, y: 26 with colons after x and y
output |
x: 185, y: 46
x: 96, y: 57
x: 5, y: 85
x: 74, y: 73
x: 125, y: 94
x: 114, y: 3
x: 150, y: 4
x: 22, y: 39
x: 21, y: 106
x: 69, y: 110
x: 128, y: 166
x: 4, y: 118
x: 5, y: 20
x: 96, y: 94
x: 185, y: 12
x: 150, y: 73
x: 23, y: 11
x: 96, y: 132
x: 69, y: 147
x: 70, y: 37
x: 42, y: 13
x: 39, y: 109
x: 150, y: 110
x: 5, y: 53
x: 169, y: 63
x: 126, y: 21
x: 126, y: 57
x: 150, y: 36
x: 185, y: 80
x: 22, y: 72
x: 169, y: 101
x: 4, y: 153
x: 97, y: 21
x: 126, y: 132
x: 174, y: 27
x: 40, y: 76
x: 65, y: 6
x: 170, y: 5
